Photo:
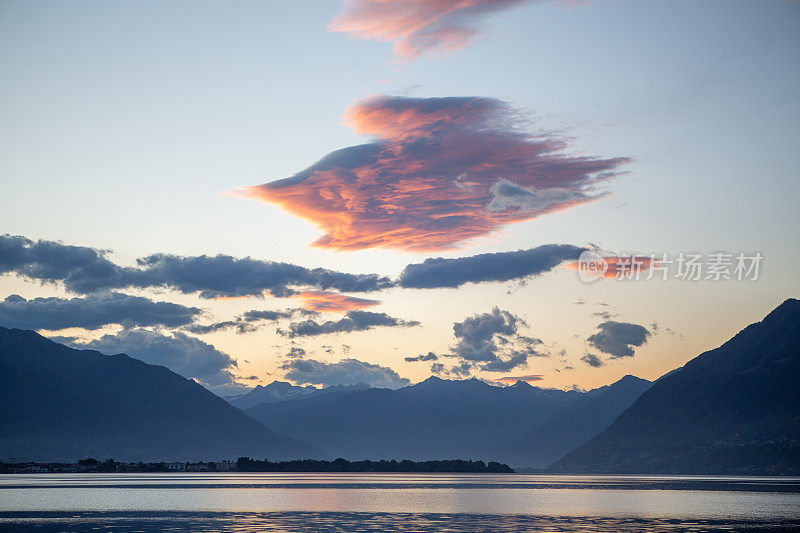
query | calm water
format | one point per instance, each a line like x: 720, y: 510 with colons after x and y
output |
x: 395, y: 502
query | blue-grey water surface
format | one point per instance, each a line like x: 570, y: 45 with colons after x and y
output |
x: 395, y: 502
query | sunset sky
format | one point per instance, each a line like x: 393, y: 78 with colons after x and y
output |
x: 331, y: 192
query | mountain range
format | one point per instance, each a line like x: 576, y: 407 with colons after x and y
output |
x: 58, y: 403
x: 280, y: 391
x: 731, y: 410
x: 436, y: 418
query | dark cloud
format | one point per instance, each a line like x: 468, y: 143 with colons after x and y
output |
x: 514, y: 379
x: 353, y: 321
x: 245, y: 323
x: 439, y: 171
x: 618, y: 339
x: 92, y: 312
x: 430, y: 356
x: 241, y: 327
x: 256, y: 315
x: 479, y: 335
x: 85, y: 270
x: 181, y: 353
x: 460, y: 370
x: 487, y: 341
x: 81, y: 269
x: 296, y: 352
x: 417, y: 26
x: 226, y: 276
x: 345, y: 372
x: 492, y: 342
x: 502, y: 266
x: 592, y: 360
x: 517, y: 358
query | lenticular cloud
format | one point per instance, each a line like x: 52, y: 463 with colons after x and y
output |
x: 417, y: 26
x: 438, y: 172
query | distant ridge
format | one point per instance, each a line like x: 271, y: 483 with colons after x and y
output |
x: 59, y: 404
x: 280, y: 391
x: 731, y: 410
x: 576, y: 424
x: 435, y: 418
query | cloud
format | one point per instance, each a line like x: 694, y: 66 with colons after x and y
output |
x: 241, y: 327
x: 439, y: 171
x: 460, y: 370
x: 493, y: 342
x: 503, y: 266
x: 430, y: 356
x: 332, y: 302
x: 222, y: 275
x: 618, y: 339
x: 345, y: 372
x: 592, y: 360
x: 417, y: 26
x: 295, y: 352
x: 256, y: 315
x: 245, y: 323
x: 517, y: 358
x: 514, y: 379
x: 476, y: 334
x: 507, y: 195
x: 85, y: 270
x: 616, y: 267
x: 92, y: 312
x: 181, y: 353
x: 81, y: 269
x: 353, y: 321
x: 490, y: 342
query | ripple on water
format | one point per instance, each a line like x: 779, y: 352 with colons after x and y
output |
x: 362, y: 522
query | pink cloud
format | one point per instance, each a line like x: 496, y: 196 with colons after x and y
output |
x: 620, y: 267
x: 331, y: 302
x: 439, y: 171
x: 417, y: 26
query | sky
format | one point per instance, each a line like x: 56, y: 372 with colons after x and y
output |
x: 332, y: 192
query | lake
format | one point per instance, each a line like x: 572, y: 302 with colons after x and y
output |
x: 246, y: 502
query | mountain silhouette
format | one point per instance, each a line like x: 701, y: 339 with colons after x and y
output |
x: 436, y: 418
x: 575, y: 424
x: 281, y: 391
x: 731, y: 410
x: 58, y: 403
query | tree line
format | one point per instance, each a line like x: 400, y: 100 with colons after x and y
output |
x: 245, y: 464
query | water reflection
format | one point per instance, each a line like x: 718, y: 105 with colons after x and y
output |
x: 395, y: 502
x: 307, y: 522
